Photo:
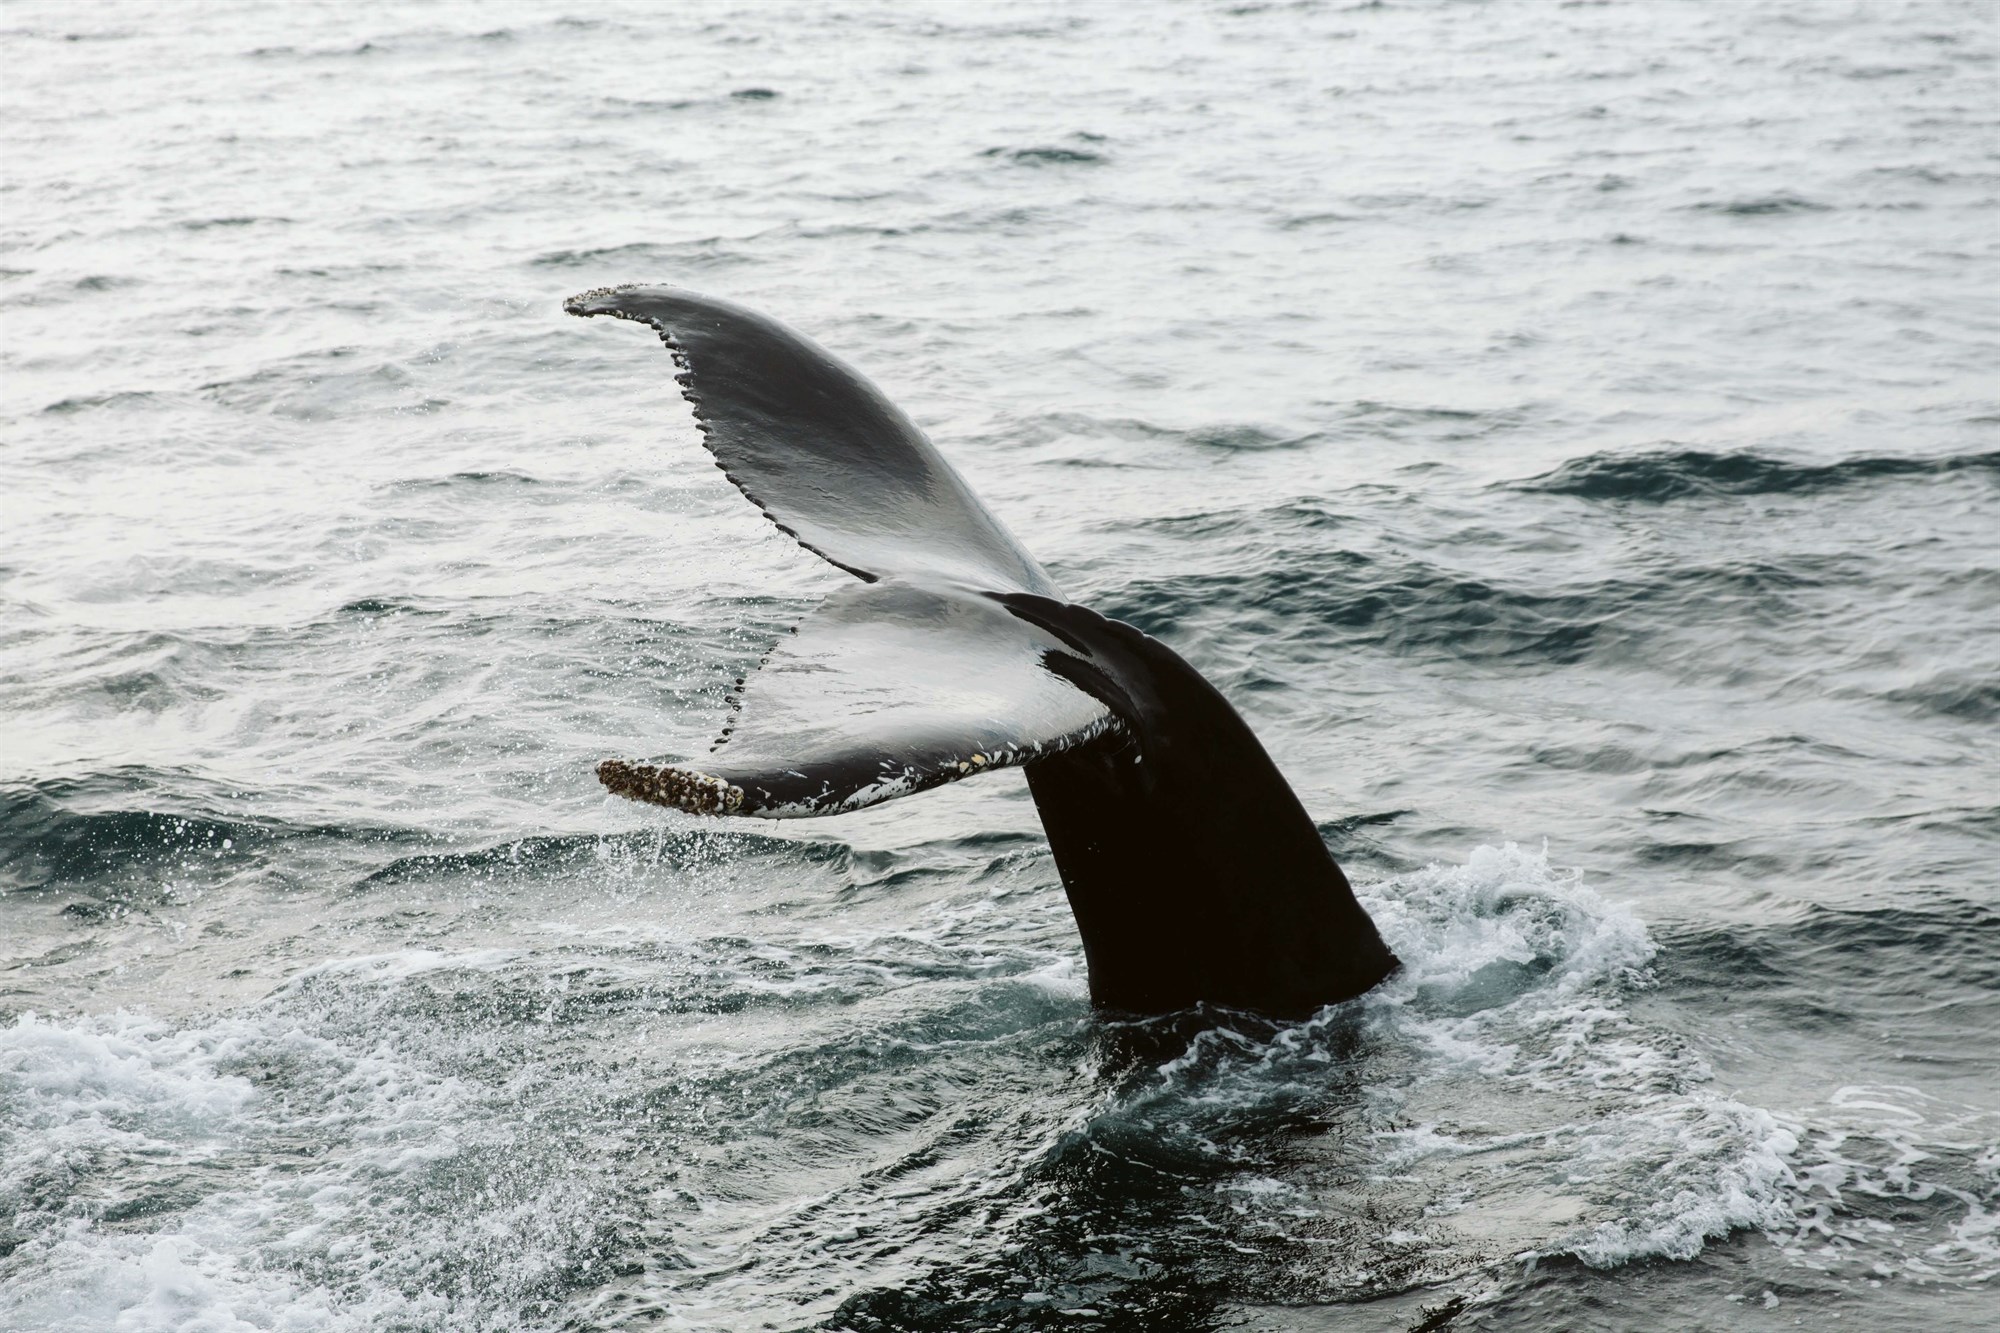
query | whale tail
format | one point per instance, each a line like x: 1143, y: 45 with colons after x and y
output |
x: 1194, y: 873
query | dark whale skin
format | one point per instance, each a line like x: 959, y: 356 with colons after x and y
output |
x: 1194, y: 873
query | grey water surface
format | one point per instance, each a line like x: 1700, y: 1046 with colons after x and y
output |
x: 1570, y: 433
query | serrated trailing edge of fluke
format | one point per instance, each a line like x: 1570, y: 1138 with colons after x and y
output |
x: 685, y: 377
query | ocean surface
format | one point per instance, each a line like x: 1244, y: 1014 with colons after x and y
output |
x: 1570, y: 434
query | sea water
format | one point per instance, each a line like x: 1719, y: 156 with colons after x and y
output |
x: 1567, y: 432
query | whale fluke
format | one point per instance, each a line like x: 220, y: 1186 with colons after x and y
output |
x: 1194, y: 873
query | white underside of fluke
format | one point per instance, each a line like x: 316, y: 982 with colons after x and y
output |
x: 888, y: 688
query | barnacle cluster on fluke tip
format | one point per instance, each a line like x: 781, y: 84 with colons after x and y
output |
x: 682, y: 789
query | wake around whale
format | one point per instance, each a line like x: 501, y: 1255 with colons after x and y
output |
x: 1194, y: 873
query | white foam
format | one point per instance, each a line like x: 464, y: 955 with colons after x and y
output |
x: 1521, y: 1109
x: 1548, y: 1120
x: 364, y: 1173
x: 91, y: 1096
x: 404, y: 963
x: 1728, y: 1170
x: 1450, y: 924
x: 1888, y: 1141
x: 146, y: 1284
x: 59, y: 1074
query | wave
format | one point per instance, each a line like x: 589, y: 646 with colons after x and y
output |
x: 1955, y: 694
x: 710, y: 252
x: 1046, y: 155
x: 1516, y: 977
x: 1673, y: 474
x: 46, y: 840
x: 93, y: 833
x: 1492, y: 1103
x: 1833, y: 968
x: 123, y: 398
x: 1360, y: 418
x: 1763, y: 205
x: 450, y: 1136
x: 1294, y: 593
x: 1405, y: 607
x: 681, y: 849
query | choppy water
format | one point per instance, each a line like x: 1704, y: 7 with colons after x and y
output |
x: 1568, y: 433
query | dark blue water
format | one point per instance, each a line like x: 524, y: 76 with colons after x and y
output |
x: 1569, y: 433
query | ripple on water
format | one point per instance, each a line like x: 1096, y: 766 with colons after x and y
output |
x: 1665, y: 475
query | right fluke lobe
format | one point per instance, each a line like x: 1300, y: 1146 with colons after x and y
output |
x: 818, y: 448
